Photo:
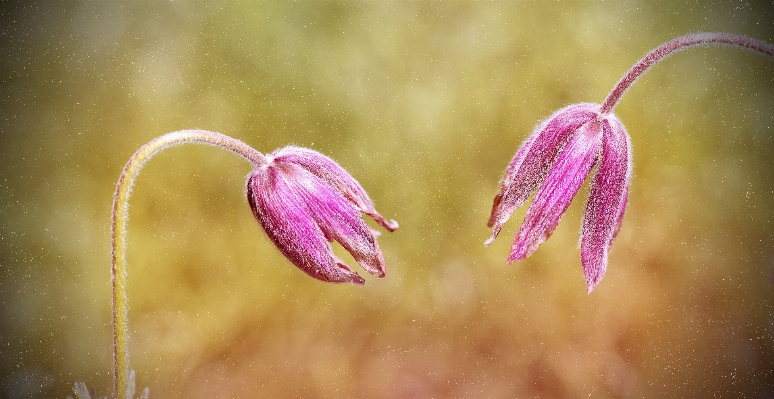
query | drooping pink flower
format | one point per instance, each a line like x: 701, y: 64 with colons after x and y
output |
x: 304, y: 200
x: 563, y: 150
x: 560, y: 153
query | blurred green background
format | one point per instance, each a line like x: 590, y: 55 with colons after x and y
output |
x: 425, y: 104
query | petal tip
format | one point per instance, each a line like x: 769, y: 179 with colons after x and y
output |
x: 590, y: 285
x: 357, y: 280
x: 495, y: 233
x: 593, y: 277
x: 392, y: 225
x: 346, y: 275
x: 516, y: 255
x: 522, y: 250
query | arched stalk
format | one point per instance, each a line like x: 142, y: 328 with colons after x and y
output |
x: 121, y: 375
x: 681, y: 43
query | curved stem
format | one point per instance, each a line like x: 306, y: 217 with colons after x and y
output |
x: 118, y: 233
x: 681, y: 43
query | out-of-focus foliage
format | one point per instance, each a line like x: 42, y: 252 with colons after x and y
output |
x: 425, y: 104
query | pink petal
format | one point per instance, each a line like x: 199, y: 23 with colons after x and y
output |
x: 338, y: 218
x: 532, y: 162
x: 607, y: 200
x: 334, y: 175
x: 504, y: 209
x: 281, y: 209
x: 623, y: 206
x: 554, y: 195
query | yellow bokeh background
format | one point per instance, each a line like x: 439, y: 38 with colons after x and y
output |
x: 425, y: 103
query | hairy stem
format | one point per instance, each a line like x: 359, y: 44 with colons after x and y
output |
x: 681, y: 43
x: 118, y: 233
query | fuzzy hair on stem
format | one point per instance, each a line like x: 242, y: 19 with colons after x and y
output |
x: 678, y: 44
